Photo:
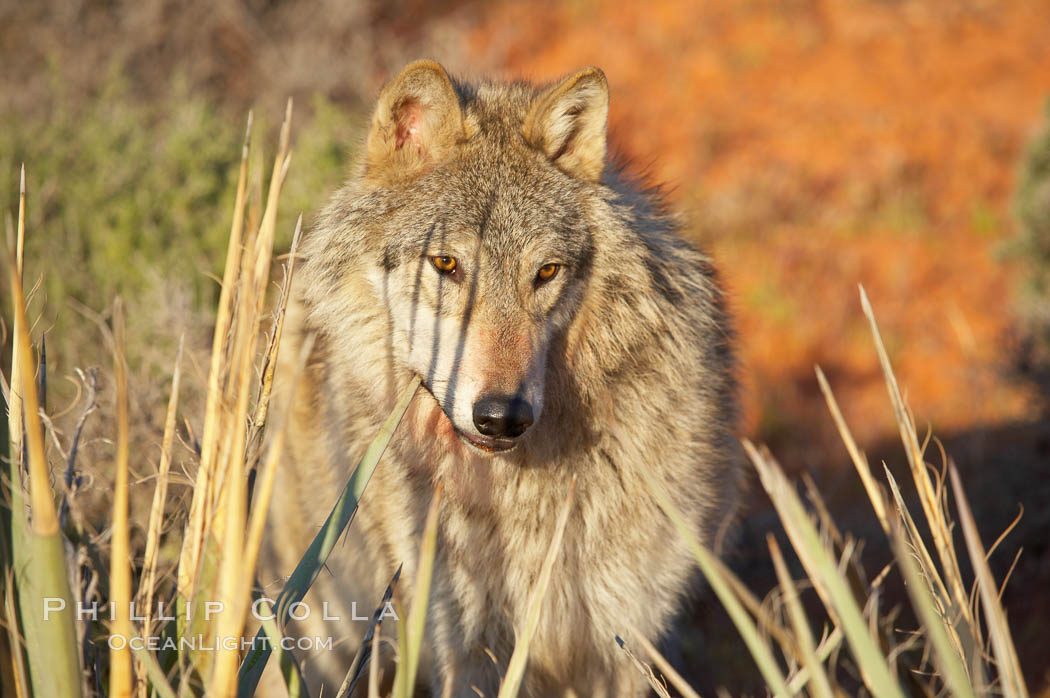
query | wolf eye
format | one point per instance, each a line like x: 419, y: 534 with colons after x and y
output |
x: 444, y: 263
x: 547, y: 272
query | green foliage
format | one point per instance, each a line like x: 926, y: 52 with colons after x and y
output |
x: 131, y: 197
x: 117, y: 187
x: 1032, y: 208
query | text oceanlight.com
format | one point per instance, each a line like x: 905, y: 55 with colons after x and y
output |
x: 201, y: 643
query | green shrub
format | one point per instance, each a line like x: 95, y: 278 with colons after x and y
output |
x: 1032, y: 208
x: 117, y: 186
x: 130, y: 197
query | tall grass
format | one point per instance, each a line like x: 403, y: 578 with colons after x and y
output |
x: 37, y: 573
x: 948, y: 653
x: 963, y: 645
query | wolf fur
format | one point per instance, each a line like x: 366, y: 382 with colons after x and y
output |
x: 623, y: 359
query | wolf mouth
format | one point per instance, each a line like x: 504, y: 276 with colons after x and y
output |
x: 486, y: 444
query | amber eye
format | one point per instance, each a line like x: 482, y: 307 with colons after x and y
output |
x: 444, y: 264
x: 547, y: 272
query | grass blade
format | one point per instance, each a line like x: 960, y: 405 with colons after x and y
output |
x: 1010, y: 676
x: 945, y: 655
x: 664, y: 666
x: 120, y: 552
x: 405, y: 681
x: 659, y: 687
x: 192, y: 541
x: 373, y: 669
x: 234, y: 584
x: 289, y: 667
x: 820, y: 686
x: 947, y: 582
x: 42, y: 503
x: 823, y: 570
x: 40, y: 572
x: 274, y: 343
x: 16, y: 682
x: 13, y: 519
x: 158, y: 681
x: 317, y: 554
x: 860, y: 461
x: 520, y: 657
x: 156, y: 516
x: 261, y: 504
x: 928, y: 496
x: 716, y: 575
x: 364, y: 652
x: 14, y: 402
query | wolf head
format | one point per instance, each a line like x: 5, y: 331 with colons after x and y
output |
x: 475, y: 202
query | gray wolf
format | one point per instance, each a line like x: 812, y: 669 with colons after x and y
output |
x: 561, y: 328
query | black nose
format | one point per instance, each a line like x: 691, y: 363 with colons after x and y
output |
x: 502, y: 416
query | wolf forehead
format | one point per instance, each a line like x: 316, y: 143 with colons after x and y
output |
x: 492, y: 192
x: 497, y: 168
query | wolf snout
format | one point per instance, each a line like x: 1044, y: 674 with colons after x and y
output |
x: 502, y: 416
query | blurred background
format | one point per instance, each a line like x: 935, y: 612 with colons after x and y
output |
x: 809, y: 145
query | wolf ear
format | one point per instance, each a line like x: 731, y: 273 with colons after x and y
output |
x: 417, y: 120
x: 567, y: 122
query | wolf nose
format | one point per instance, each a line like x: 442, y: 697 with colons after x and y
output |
x: 502, y: 416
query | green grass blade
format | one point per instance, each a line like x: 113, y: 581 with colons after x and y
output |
x: 40, y: 573
x: 716, y: 577
x: 290, y: 671
x: 823, y: 571
x: 54, y: 654
x: 158, y: 681
x: 820, y: 686
x: 946, y: 658
x: 316, y: 555
x: 1010, y: 677
x: 364, y: 656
